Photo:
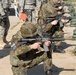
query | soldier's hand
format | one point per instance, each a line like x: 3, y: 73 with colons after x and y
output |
x: 64, y: 20
x: 60, y: 7
x: 47, y: 43
x: 59, y: 12
x: 35, y: 45
x: 54, y: 22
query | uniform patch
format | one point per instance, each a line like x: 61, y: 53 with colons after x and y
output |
x: 13, y: 46
x: 43, y: 26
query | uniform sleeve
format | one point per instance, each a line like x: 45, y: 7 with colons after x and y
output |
x: 14, y: 60
x: 22, y: 49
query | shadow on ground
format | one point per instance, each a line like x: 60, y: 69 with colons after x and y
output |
x: 57, y: 70
x: 65, y: 45
x: 5, y: 51
x: 38, y: 70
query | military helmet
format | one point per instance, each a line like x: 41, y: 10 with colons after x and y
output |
x: 28, y: 30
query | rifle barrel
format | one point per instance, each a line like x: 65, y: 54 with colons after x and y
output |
x: 50, y: 39
x: 61, y: 39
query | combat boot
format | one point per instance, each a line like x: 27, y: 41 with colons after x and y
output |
x: 49, y: 72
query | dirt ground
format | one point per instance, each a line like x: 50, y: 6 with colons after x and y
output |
x: 63, y: 63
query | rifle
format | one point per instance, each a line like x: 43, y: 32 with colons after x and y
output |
x: 69, y: 3
x: 48, y: 20
x: 58, y: 17
x: 45, y: 37
x: 42, y: 40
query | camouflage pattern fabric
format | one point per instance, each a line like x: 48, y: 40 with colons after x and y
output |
x: 4, y: 20
x: 1, y: 32
x: 27, y: 30
x: 24, y: 57
x: 28, y: 8
x: 59, y: 33
x: 46, y: 11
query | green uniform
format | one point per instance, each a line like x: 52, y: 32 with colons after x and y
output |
x: 23, y: 57
x: 49, y: 11
x: 59, y: 33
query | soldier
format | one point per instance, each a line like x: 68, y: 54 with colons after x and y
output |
x: 49, y: 11
x: 4, y: 20
x: 59, y: 32
x: 29, y: 54
x: 28, y: 7
x: 39, y: 3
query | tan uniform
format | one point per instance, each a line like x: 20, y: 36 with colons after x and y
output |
x: 47, y: 11
x: 23, y: 57
x: 59, y: 32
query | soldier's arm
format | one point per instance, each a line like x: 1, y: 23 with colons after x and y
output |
x: 22, y: 49
x: 25, y: 48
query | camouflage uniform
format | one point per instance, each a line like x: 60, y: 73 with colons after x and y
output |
x: 47, y: 11
x: 59, y: 33
x: 4, y: 20
x: 23, y: 57
x: 39, y: 4
x: 28, y: 8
